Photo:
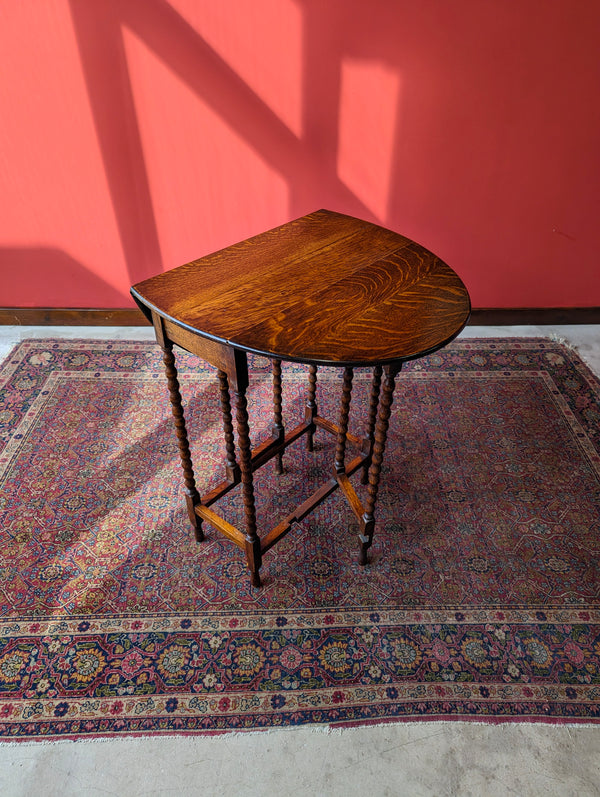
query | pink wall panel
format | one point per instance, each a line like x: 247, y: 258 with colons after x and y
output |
x: 138, y: 134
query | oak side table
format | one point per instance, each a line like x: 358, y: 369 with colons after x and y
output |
x: 326, y: 289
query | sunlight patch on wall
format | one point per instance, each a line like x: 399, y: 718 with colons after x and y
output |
x: 370, y: 94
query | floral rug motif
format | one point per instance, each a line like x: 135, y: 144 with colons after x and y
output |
x: 481, y: 599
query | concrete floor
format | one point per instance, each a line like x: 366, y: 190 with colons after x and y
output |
x: 419, y: 758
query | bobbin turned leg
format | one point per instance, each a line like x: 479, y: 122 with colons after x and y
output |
x: 278, y: 429
x: 340, y: 449
x: 311, y: 406
x: 192, y: 497
x: 232, y: 469
x: 373, y: 405
x: 381, y: 430
x: 253, y: 549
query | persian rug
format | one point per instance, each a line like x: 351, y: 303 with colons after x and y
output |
x: 481, y: 599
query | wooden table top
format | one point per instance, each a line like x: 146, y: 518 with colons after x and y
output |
x: 326, y: 288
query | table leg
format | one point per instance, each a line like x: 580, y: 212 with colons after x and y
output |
x: 340, y: 449
x: 231, y: 468
x: 311, y: 406
x: 253, y: 549
x: 373, y: 405
x: 191, y: 493
x: 278, y: 429
x: 381, y: 429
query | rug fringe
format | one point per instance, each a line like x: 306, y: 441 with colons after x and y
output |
x: 575, y: 348
x: 501, y: 726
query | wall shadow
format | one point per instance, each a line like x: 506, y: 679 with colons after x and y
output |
x: 35, y: 264
x: 308, y: 164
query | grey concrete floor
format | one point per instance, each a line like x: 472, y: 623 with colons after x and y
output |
x: 419, y: 758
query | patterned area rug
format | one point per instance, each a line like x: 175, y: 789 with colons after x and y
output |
x: 481, y: 600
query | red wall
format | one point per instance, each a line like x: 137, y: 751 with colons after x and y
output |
x: 138, y: 134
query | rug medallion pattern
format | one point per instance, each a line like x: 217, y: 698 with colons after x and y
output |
x: 481, y: 600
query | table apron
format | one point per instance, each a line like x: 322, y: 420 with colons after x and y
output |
x: 226, y: 358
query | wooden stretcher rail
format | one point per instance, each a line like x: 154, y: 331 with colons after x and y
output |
x: 260, y: 456
x: 264, y: 452
x: 227, y: 529
x: 311, y: 503
x: 334, y: 429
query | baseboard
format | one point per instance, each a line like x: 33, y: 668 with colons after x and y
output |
x: 535, y: 316
x: 71, y: 316
x: 132, y: 317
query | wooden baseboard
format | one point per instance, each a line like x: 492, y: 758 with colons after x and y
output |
x: 72, y: 317
x: 132, y: 317
x: 535, y: 316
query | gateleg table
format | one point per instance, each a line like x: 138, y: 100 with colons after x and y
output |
x: 326, y: 290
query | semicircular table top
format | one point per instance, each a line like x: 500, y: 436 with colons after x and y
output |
x: 326, y: 288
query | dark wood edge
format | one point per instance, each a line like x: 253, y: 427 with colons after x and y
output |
x: 132, y: 317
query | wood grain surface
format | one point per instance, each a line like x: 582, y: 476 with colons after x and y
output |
x: 326, y: 288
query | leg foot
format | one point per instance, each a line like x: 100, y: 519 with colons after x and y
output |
x: 199, y: 534
x: 366, y: 538
x: 254, y: 560
x: 194, y: 519
x: 279, y: 464
x: 255, y: 579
